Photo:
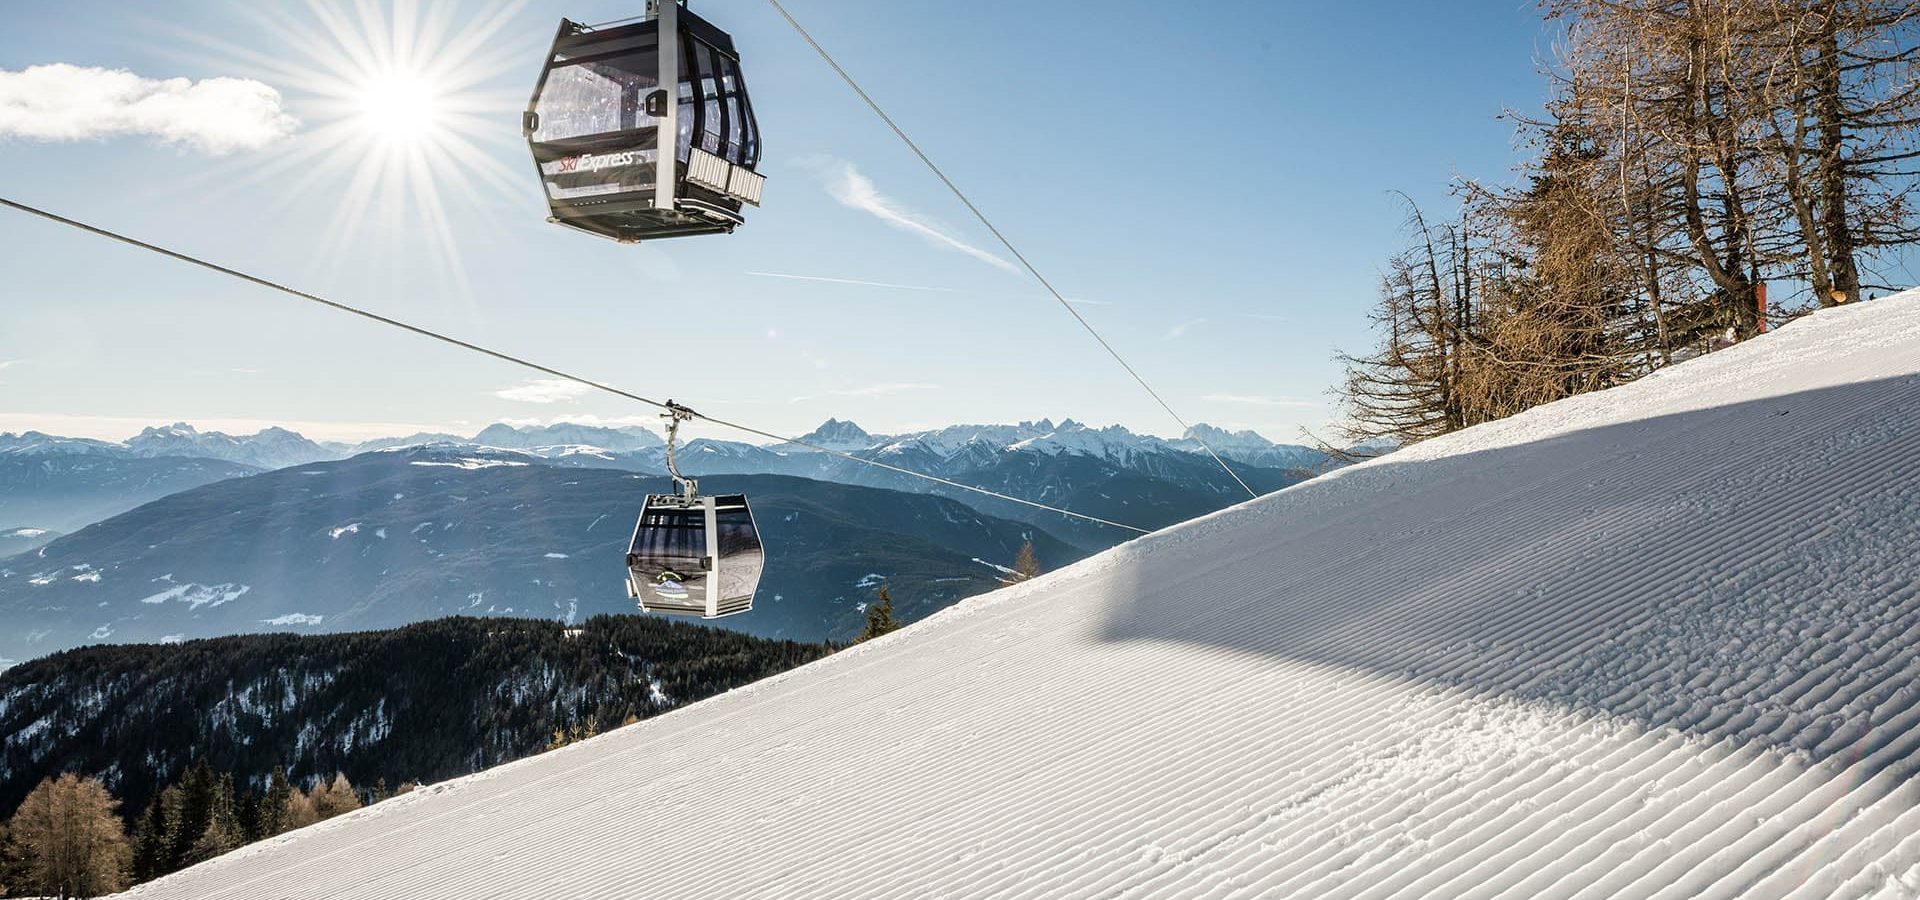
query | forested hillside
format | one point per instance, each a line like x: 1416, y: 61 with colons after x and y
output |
x: 414, y: 704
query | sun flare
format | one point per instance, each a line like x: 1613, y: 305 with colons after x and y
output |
x: 408, y: 117
x: 399, y: 106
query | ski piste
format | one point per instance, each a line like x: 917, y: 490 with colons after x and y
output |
x: 1658, y: 640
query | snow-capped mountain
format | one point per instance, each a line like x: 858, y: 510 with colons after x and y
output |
x: 626, y: 439
x: 388, y: 443
x: 34, y: 443
x: 1112, y: 442
x: 270, y: 448
x: 1248, y: 447
x: 1655, y: 641
x: 1107, y: 472
x: 834, y: 434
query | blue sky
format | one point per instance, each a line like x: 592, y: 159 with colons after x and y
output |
x: 1211, y: 179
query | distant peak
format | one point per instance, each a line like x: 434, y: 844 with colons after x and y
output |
x: 839, y: 435
x: 177, y: 428
x: 1205, y: 432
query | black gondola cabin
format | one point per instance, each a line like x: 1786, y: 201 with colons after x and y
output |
x: 697, y: 556
x: 611, y: 97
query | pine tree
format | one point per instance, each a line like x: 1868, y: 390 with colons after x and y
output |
x: 191, y: 814
x: 222, y: 832
x: 1025, y: 565
x: 880, y: 618
x: 246, y: 812
x: 219, y: 837
x: 150, y: 851
x: 274, y: 807
x: 70, y: 840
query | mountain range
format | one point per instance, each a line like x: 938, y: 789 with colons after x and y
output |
x: 414, y: 533
x: 63, y: 484
x: 276, y: 448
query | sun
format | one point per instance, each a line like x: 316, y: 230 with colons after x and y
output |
x: 400, y: 107
x: 410, y: 117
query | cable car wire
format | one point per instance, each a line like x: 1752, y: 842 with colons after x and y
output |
x: 1035, y: 272
x: 529, y: 364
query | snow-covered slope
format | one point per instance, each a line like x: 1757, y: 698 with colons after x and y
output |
x: 1661, y: 641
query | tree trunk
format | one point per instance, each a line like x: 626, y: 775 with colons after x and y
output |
x: 1830, y: 112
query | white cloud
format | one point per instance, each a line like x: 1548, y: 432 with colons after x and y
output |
x: 1256, y: 400
x: 61, y: 102
x: 544, y: 390
x: 6, y: 364
x: 1179, y: 331
x: 857, y: 191
x: 853, y: 281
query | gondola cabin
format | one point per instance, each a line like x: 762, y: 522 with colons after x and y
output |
x: 612, y: 98
x: 698, y: 556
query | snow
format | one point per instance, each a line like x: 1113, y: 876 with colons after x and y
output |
x: 198, y: 595
x: 996, y: 567
x: 566, y: 451
x: 1659, y: 640
x: 469, y: 463
x: 293, y: 619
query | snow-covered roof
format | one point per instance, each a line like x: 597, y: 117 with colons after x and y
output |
x: 1658, y: 640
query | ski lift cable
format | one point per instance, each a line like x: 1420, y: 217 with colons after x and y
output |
x: 1002, y: 238
x: 529, y: 364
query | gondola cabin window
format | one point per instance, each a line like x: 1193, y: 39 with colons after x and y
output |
x: 598, y: 96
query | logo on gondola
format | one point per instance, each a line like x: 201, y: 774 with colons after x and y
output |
x: 594, y: 162
x: 668, y: 586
